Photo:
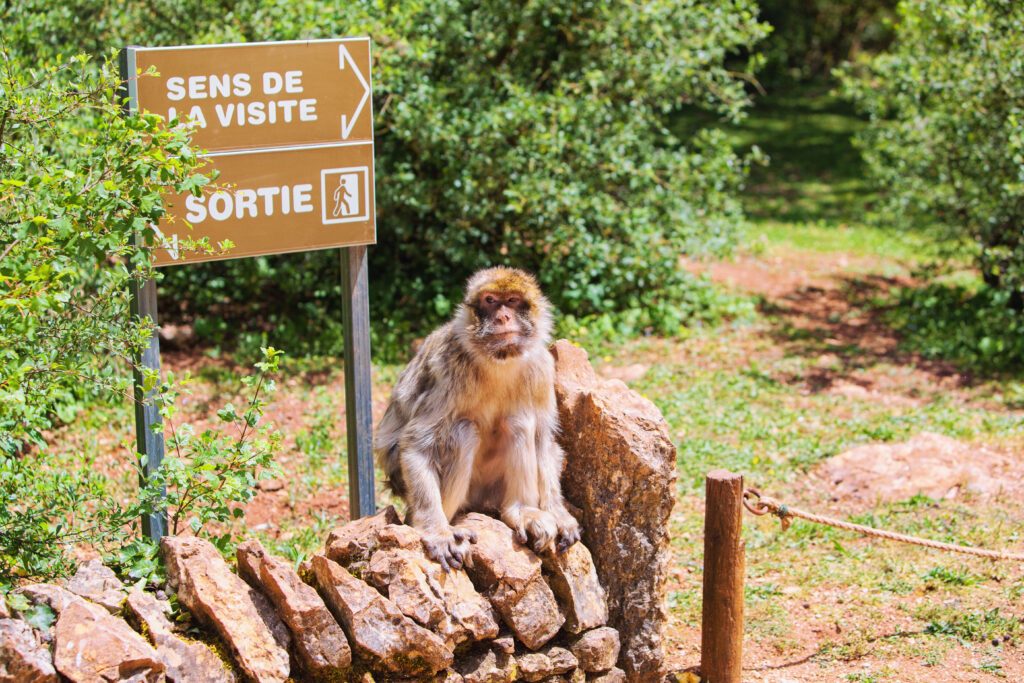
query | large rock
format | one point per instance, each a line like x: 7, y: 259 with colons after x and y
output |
x: 444, y: 602
x: 186, y: 660
x: 91, y: 646
x: 488, y: 667
x: 356, y: 541
x: 930, y: 464
x: 620, y: 470
x: 23, y: 658
x: 550, y: 661
x: 320, y: 643
x: 377, y: 629
x: 597, y: 650
x: 615, y: 675
x: 54, y: 597
x: 510, y: 575
x: 243, y: 617
x: 99, y: 584
x: 573, y: 578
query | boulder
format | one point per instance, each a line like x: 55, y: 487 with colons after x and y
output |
x: 444, y: 602
x: 90, y: 646
x: 357, y: 540
x: 55, y: 597
x: 186, y: 660
x: 5, y: 613
x: 488, y: 667
x: 99, y: 584
x: 615, y: 675
x: 320, y: 644
x: 510, y: 575
x: 23, y: 658
x: 376, y: 628
x: 573, y: 578
x: 550, y: 661
x: 240, y: 615
x: 506, y: 644
x: 620, y: 471
x: 596, y: 650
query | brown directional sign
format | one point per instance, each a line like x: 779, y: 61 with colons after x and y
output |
x: 289, y: 128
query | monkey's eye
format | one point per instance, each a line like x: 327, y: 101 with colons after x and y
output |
x: 512, y: 301
x: 489, y: 299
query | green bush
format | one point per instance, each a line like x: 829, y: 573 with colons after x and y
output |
x: 526, y: 133
x: 946, y: 140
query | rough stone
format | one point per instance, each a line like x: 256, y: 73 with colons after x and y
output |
x: 357, y: 540
x: 90, y: 646
x: 620, y: 471
x: 444, y: 602
x: 242, y: 616
x: 488, y: 667
x: 506, y: 644
x: 597, y: 650
x: 573, y: 578
x: 99, y: 584
x: 615, y: 675
x: 23, y: 659
x: 321, y: 645
x: 55, y: 597
x: 930, y: 464
x: 185, y: 660
x: 376, y: 628
x: 510, y: 575
x: 550, y: 661
x: 5, y: 613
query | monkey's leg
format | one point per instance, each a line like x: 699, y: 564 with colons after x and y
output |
x: 433, y: 483
x: 549, y: 472
x: 519, y: 508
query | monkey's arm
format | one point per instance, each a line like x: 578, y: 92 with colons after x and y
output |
x: 550, y: 459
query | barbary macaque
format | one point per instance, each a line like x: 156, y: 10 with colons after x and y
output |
x: 472, y: 422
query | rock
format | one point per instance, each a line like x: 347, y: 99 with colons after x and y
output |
x: 55, y: 597
x: 506, y: 644
x: 445, y: 603
x: 573, y: 578
x: 930, y: 464
x: 185, y: 660
x: 615, y: 675
x: 357, y: 540
x: 620, y: 470
x: 551, y: 661
x: 376, y: 628
x: 597, y: 650
x: 5, y: 613
x: 23, y: 658
x: 321, y: 645
x: 99, y: 584
x: 488, y: 667
x: 242, y: 616
x: 90, y: 645
x: 510, y: 575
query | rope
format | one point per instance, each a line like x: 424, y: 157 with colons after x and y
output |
x: 762, y: 505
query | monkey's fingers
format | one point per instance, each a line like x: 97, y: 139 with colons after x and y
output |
x: 464, y: 535
x: 567, y: 537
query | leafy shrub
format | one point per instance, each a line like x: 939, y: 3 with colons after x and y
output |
x: 945, y: 140
x: 527, y: 134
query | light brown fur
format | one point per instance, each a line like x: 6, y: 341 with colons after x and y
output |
x: 472, y: 422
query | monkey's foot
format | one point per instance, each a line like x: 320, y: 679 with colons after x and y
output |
x: 532, y: 526
x: 568, y: 532
x: 449, y: 547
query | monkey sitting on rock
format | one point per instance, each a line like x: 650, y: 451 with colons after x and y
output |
x: 472, y: 421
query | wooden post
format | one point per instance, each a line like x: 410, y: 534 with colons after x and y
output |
x: 721, y: 656
x: 358, y: 402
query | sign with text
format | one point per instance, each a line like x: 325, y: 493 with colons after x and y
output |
x: 289, y: 128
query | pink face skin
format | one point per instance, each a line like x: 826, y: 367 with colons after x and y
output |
x: 504, y: 322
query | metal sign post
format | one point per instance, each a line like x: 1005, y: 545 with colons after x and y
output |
x: 288, y: 126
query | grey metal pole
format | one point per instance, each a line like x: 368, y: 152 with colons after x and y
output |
x: 358, y: 401
x: 148, y: 423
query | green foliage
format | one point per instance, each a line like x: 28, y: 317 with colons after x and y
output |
x: 975, y: 626
x: 206, y: 477
x: 527, y: 134
x: 946, y: 140
x: 811, y: 37
x: 973, y: 326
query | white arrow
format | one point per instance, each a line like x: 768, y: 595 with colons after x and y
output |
x: 348, y: 124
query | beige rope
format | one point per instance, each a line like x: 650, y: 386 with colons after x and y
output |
x: 761, y: 505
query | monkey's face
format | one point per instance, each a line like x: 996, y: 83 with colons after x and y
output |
x: 503, y: 325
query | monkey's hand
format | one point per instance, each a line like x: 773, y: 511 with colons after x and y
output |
x: 449, y: 547
x: 568, y: 531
